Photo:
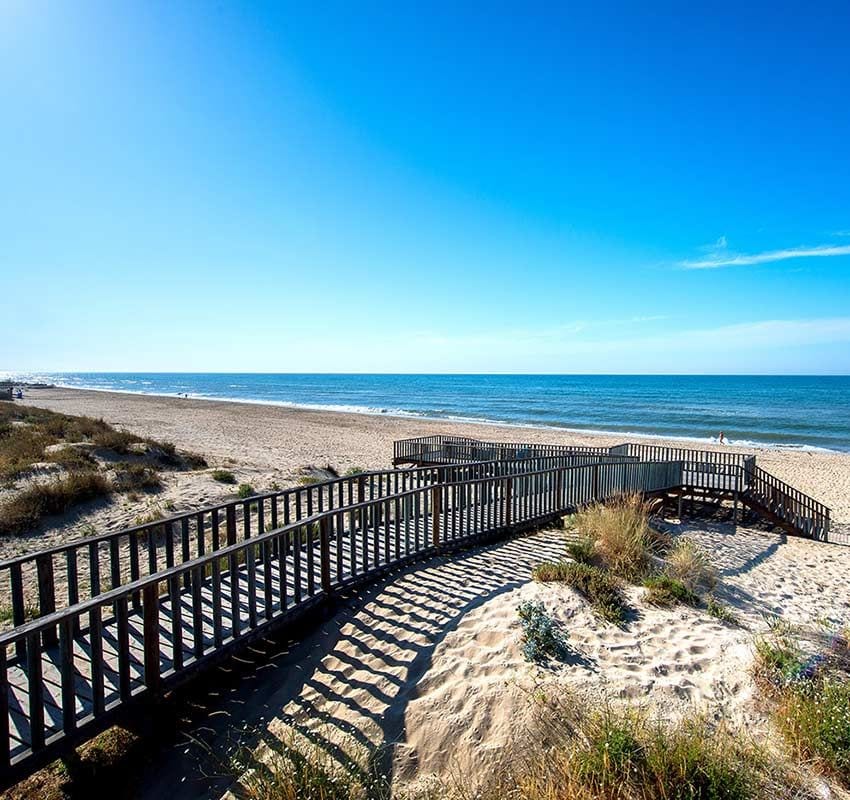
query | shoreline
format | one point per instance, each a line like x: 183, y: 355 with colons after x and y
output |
x: 696, y: 442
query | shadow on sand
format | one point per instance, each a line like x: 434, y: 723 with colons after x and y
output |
x: 352, y: 676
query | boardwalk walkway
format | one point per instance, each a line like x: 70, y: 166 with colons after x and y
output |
x: 124, y: 616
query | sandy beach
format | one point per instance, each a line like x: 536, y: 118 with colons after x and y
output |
x: 428, y: 665
x: 265, y: 443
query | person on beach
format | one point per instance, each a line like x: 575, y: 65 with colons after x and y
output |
x: 722, y: 438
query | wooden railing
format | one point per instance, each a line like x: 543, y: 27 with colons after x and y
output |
x: 652, y: 452
x: 703, y: 470
x: 156, y: 631
x: 88, y: 567
x: 791, y: 506
x: 441, y: 449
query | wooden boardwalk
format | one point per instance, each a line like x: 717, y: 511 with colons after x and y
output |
x: 121, y: 617
x: 704, y: 473
x: 69, y: 673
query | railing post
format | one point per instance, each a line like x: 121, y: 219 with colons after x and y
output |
x: 594, y: 490
x: 509, y: 491
x: 361, y: 488
x: 559, y: 491
x: 46, y: 594
x: 436, y: 511
x: 325, y: 555
x: 230, y: 524
x: 150, y: 611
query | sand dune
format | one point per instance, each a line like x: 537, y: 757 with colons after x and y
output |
x: 429, y: 668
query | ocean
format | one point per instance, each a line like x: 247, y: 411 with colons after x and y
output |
x: 778, y: 411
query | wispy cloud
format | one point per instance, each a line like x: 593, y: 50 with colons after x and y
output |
x: 720, y: 257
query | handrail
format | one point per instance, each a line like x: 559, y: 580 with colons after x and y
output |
x: 64, y: 574
x: 728, y: 471
x: 215, y: 601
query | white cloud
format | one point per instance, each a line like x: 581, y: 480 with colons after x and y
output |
x: 724, y: 259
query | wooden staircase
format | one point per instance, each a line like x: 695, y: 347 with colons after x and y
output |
x: 785, y: 506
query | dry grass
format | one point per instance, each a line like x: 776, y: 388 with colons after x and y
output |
x: 622, y: 537
x: 26, y: 431
x: 24, y: 511
x: 809, y: 692
x: 623, y: 754
x: 297, y: 767
x: 620, y: 754
x: 690, y: 565
x: 136, y: 477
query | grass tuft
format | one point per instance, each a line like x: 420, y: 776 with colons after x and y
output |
x: 136, y: 477
x: 223, y: 476
x: 662, y: 590
x: 810, y: 690
x: 719, y: 611
x: 814, y: 717
x: 581, y: 550
x: 601, y: 590
x: 623, y: 539
x: 621, y: 754
x: 688, y: 563
x: 245, y: 490
x: 24, y: 511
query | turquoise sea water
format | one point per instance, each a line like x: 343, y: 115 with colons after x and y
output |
x: 791, y: 411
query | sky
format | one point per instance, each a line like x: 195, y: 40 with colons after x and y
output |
x: 408, y: 187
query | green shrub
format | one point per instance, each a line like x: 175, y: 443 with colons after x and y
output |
x: 223, y: 476
x: 581, y: 550
x: 720, y: 611
x: 662, y: 590
x: 352, y: 471
x: 810, y: 691
x: 136, y: 477
x: 27, y: 508
x: 542, y: 639
x: 779, y: 658
x: 245, y: 490
x: 600, y: 589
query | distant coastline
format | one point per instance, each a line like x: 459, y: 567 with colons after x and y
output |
x: 786, y: 413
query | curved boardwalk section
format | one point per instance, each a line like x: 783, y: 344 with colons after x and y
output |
x: 71, y: 672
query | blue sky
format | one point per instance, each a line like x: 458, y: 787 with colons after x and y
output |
x: 615, y: 187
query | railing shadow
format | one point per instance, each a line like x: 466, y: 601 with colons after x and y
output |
x: 347, y: 685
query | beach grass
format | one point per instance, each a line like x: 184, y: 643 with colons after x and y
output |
x: 26, y: 508
x: 602, y: 590
x: 223, y: 476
